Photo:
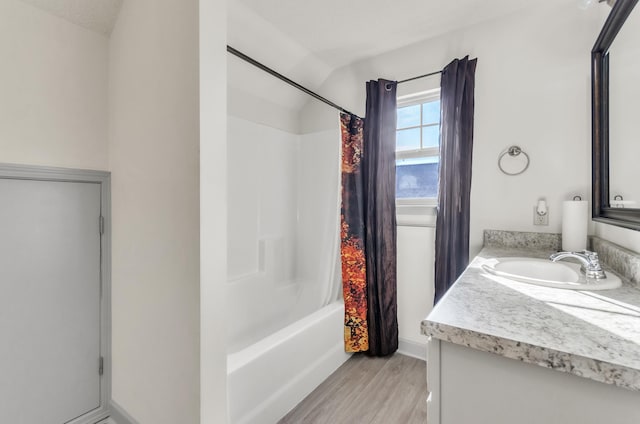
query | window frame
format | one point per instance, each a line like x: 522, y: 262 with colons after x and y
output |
x: 411, y: 100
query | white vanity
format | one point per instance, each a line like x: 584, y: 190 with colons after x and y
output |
x: 503, y: 351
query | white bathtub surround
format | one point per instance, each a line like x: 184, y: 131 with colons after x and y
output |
x: 285, y: 328
x: 595, y: 335
x: 283, y: 227
x: 269, y: 378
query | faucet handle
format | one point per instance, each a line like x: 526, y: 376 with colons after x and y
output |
x: 593, y: 256
x: 594, y: 270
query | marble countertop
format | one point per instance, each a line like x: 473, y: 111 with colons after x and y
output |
x: 592, y: 334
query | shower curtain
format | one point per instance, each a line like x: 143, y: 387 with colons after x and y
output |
x: 368, y: 224
x: 352, y: 233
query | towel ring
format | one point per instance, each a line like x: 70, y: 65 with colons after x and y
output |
x: 513, y: 151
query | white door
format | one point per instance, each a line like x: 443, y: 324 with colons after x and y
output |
x: 49, y: 301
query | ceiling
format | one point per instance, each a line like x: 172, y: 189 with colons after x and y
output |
x: 97, y: 15
x: 339, y: 32
x: 308, y: 40
x: 332, y: 33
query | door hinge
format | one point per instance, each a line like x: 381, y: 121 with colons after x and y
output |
x: 101, y: 224
x: 101, y: 366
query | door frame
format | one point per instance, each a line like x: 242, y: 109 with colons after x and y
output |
x: 103, y: 179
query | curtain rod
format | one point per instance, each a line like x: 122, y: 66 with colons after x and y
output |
x: 285, y: 79
x: 420, y: 76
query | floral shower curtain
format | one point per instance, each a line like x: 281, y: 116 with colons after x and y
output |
x: 368, y: 224
x: 352, y: 233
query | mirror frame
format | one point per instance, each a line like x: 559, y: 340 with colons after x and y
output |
x: 601, y: 208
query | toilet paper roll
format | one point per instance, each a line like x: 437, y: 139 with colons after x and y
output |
x: 575, y: 217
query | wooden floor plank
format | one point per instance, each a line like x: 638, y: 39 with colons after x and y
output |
x: 403, y: 397
x: 334, y: 393
x: 369, y: 402
x: 367, y: 390
x: 419, y: 413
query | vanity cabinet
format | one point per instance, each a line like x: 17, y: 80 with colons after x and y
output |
x: 503, y: 351
x: 471, y: 386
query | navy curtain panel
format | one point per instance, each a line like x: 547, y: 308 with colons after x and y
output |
x: 456, y: 148
x: 379, y: 176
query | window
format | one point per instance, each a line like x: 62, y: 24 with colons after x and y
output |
x: 418, y: 148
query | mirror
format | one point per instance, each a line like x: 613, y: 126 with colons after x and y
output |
x: 624, y: 125
x: 615, y: 67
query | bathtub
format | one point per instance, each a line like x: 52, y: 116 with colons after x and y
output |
x: 268, y: 378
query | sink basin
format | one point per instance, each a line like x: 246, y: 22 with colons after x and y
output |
x: 544, y: 272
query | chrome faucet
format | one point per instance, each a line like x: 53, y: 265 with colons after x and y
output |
x: 591, y: 267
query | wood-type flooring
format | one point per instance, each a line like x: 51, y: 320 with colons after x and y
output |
x: 366, y: 390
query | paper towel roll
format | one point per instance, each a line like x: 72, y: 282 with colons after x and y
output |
x: 575, y: 217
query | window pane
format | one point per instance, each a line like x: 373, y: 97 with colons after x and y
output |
x: 417, y: 179
x: 408, y: 116
x: 408, y: 139
x: 431, y: 112
x: 431, y: 136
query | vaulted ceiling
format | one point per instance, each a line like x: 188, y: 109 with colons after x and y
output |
x: 308, y: 40
x: 338, y: 32
x: 96, y: 15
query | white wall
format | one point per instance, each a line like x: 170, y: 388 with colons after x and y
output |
x: 154, y: 159
x: 55, y: 81
x: 213, y: 211
x: 532, y: 89
x: 415, y: 280
x: 255, y: 95
x: 53, y: 90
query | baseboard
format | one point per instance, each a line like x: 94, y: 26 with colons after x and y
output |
x: 119, y: 415
x: 412, y: 348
